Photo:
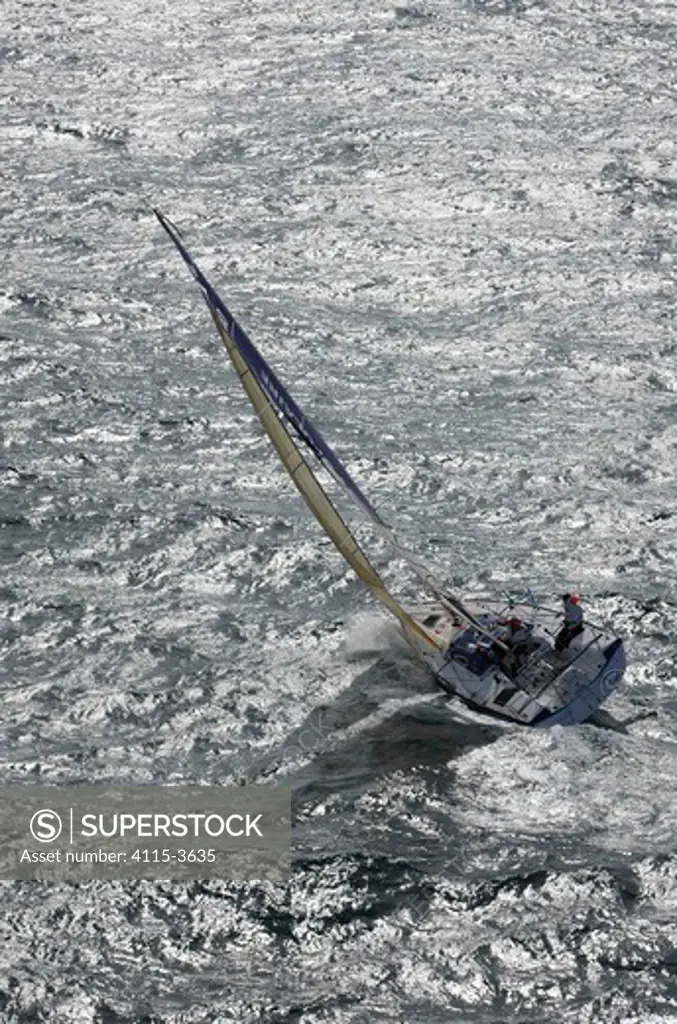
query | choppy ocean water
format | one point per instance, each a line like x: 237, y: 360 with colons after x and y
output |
x: 452, y: 230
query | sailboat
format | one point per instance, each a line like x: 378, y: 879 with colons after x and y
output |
x: 508, y: 658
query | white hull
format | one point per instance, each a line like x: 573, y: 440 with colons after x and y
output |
x: 543, y: 686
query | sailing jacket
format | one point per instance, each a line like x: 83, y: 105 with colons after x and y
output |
x: 573, y: 614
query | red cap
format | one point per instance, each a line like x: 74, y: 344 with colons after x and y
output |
x: 574, y: 598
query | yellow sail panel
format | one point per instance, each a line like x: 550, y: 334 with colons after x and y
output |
x: 313, y: 492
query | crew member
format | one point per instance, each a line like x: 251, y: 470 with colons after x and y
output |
x: 514, y: 634
x: 573, y: 622
x: 519, y: 632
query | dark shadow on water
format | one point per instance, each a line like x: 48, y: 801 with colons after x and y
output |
x: 503, y: 8
x: 603, y: 720
x: 415, y: 737
x: 391, y: 718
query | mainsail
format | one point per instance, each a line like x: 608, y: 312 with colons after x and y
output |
x: 305, y: 430
x: 274, y: 405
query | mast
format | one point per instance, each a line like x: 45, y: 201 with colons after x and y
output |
x: 257, y: 385
x: 314, y: 494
